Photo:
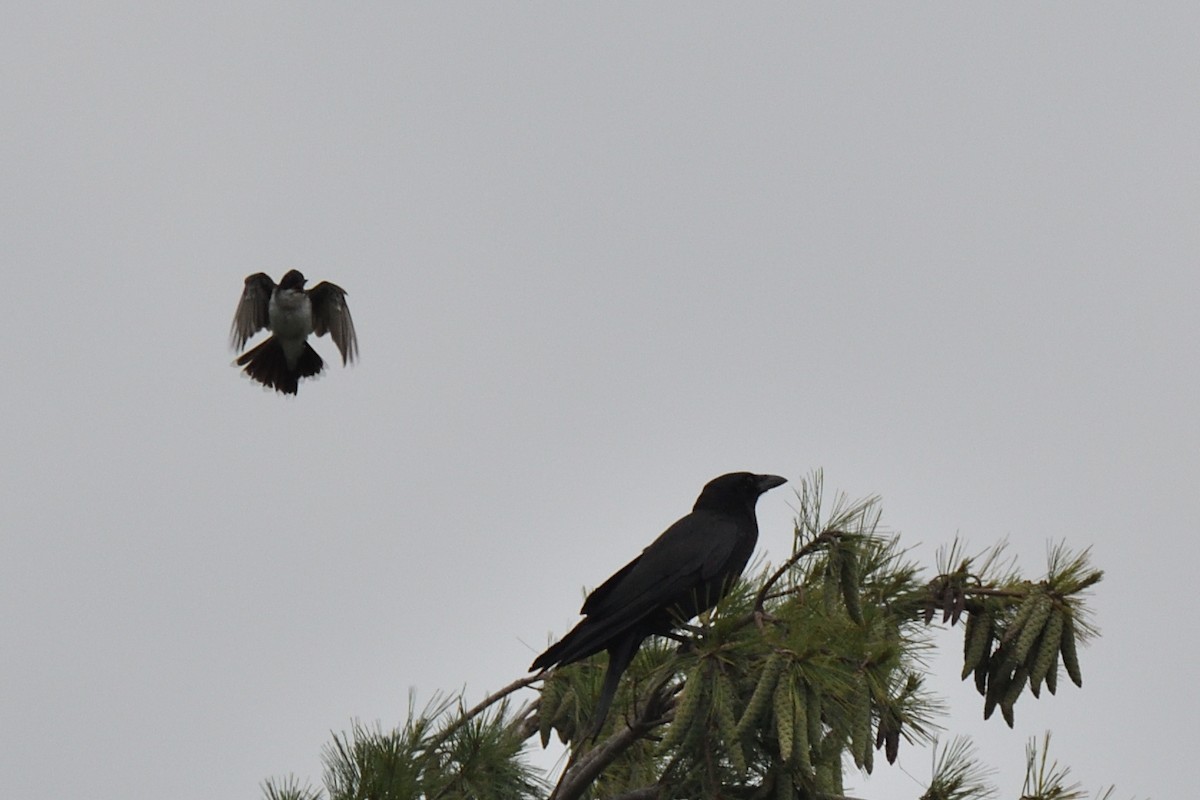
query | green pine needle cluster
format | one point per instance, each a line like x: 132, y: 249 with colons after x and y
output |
x: 435, y: 754
x: 1016, y: 632
x: 958, y: 775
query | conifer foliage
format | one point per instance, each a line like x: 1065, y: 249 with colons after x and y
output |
x: 804, y: 671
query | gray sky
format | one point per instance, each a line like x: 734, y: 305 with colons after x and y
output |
x: 597, y: 255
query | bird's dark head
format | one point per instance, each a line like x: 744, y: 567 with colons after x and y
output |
x: 736, y: 490
x: 292, y: 280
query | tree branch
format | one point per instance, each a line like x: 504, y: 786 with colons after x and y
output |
x: 482, y: 706
x: 816, y: 544
x: 580, y: 775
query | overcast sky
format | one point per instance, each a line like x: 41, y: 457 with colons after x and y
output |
x: 596, y: 254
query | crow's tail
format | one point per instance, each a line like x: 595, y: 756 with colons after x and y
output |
x: 580, y: 642
x: 620, y: 656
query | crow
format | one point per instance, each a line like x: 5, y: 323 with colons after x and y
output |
x: 683, y: 572
x: 291, y: 313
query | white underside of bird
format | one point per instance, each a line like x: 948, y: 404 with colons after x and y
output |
x: 290, y: 313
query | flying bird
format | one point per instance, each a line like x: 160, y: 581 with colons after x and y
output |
x: 290, y: 313
x: 683, y: 572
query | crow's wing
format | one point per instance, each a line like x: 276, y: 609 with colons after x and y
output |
x: 252, y: 313
x: 685, y: 557
x: 597, y: 598
x: 675, y: 570
x: 332, y: 315
x: 681, y: 568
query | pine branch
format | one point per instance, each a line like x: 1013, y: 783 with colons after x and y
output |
x: 579, y: 776
x: 816, y: 544
x: 482, y: 706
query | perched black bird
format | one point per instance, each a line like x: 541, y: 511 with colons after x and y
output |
x: 291, y: 314
x: 683, y: 572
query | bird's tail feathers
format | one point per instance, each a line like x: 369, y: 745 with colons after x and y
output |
x: 556, y: 653
x: 587, y: 638
x: 267, y: 364
x: 620, y: 656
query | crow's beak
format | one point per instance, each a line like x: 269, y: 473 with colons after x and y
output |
x: 768, y: 482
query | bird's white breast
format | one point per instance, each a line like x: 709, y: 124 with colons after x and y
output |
x: 290, y: 314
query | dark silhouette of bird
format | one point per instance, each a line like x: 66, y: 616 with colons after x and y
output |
x: 290, y: 313
x: 683, y: 572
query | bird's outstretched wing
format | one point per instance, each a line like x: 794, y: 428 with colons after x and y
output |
x: 331, y: 315
x: 252, y: 313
